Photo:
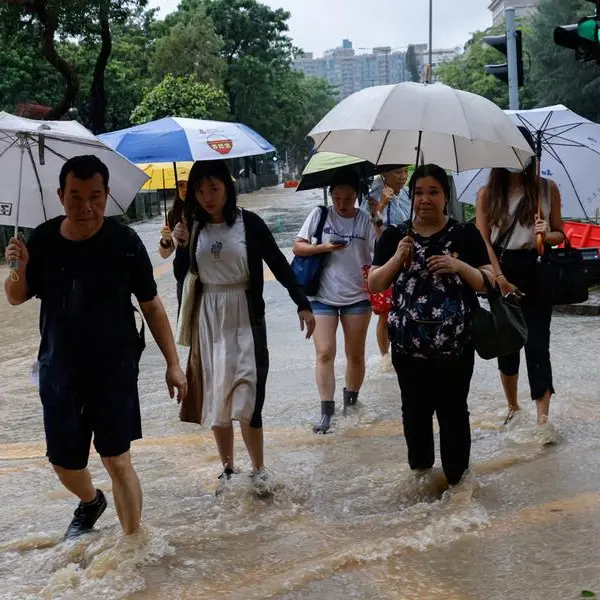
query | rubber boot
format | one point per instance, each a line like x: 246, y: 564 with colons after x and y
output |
x: 327, y: 411
x: 350, y: 399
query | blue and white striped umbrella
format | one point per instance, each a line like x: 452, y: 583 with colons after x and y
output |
x: 176, y: 139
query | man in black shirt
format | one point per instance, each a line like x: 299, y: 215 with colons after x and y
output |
x: 85, y: 268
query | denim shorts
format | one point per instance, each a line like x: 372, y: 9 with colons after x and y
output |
x: 326, y: 310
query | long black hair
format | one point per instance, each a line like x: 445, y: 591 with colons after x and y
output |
x: 499, y: 186
x: 209, y: 169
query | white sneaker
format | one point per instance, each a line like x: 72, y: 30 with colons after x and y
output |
x: 262, y: 483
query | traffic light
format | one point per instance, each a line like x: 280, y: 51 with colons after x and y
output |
x: 584, y: 38
x: 498, y: 42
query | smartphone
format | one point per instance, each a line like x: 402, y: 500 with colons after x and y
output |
x: 339, y: 241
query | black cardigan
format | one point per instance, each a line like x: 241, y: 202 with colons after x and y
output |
x: 260, y: 245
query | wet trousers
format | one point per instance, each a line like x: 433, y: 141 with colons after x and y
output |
x: 520, y: 268
x: 439, y: 386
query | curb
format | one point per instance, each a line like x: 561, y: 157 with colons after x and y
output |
x: 591, y: 308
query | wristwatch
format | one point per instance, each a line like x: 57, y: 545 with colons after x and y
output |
x: 377, y: 221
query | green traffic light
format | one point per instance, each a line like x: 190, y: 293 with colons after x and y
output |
x: 588, y: 30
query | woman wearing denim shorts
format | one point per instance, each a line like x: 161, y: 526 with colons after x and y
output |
x: 348, y: 239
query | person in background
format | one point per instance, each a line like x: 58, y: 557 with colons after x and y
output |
x: 85, y: 268
x: 225, y: 246
x: 388, y: 204
x: 348, y: 240
x: 166, y: 245
x: 436, y: 276
x: 508, y: 221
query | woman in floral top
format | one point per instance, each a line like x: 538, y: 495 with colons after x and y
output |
x: 436, y: 269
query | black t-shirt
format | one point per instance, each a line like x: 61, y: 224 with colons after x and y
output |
x: 466, y: 243
x: 87, y: 320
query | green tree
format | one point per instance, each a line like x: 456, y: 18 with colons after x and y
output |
x: 558, y: 78
x: 190, y: 47
x: 263, y: 90
x: 128, y: 73
x: 318, y: 98
x: 412, y: 66
x: 181, y: 97
x: 466, y: 72
x: 23, y: 71
x: 250, y: 32
x: 78, y: 21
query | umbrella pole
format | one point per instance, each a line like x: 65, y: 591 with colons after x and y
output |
x: 176, y: 181
x: 538, y: 154
x: 13, y: 265
x: 325, y: 199
x: 164, y: 195
x: 412, y: 199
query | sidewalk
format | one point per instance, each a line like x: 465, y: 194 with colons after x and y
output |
x: 591, y: 308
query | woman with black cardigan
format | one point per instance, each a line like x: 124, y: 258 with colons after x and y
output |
x: 225, y: 247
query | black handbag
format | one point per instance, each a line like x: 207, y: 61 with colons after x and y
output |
x: 502, y: 329
x: 562, y: 275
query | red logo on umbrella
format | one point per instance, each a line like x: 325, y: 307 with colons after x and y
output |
x: 220, y: 145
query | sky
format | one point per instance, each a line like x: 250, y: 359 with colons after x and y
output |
x: 317, y: 25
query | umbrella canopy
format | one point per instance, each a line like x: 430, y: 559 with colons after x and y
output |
x: 456, y: 130
x: 318, y: 171
x: 175, y: 139
x: 570, y: 156
x: 32, y: 154
x: 162, y: 175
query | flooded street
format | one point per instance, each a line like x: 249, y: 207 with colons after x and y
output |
x: 347, y: 521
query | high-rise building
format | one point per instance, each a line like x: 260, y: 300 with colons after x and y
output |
x: 438, y: 56
x: 523, y: 8
x: 349, y: 72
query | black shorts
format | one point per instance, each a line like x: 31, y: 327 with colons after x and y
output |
x: 77, y: 408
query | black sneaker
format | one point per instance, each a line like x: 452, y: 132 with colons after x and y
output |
x: 86, y: 515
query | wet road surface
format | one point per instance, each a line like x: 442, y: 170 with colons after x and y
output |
x: 347, y: 520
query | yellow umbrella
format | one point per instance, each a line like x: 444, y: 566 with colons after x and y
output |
x: 162, y: 175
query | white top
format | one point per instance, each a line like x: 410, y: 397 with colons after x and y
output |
x: 523, y: 237
x: 221, y: 254
x: 342, y: 281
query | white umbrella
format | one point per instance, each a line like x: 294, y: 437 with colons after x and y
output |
x: 456, y: 130
x: 32, y: 154
x: 570, y: 156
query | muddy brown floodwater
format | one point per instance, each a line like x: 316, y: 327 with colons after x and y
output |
x: 346, y: 521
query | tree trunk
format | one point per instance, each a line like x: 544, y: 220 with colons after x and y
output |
x: 98, y: 89
x: 49, y: 23
x: 67, y: 70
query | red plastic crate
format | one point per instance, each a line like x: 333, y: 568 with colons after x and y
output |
x: 582, y: 235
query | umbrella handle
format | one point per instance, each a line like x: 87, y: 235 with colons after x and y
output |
x: 13, y: 265
x: 539, y: 237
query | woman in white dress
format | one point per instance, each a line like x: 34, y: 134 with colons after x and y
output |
x: 225, y: 246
